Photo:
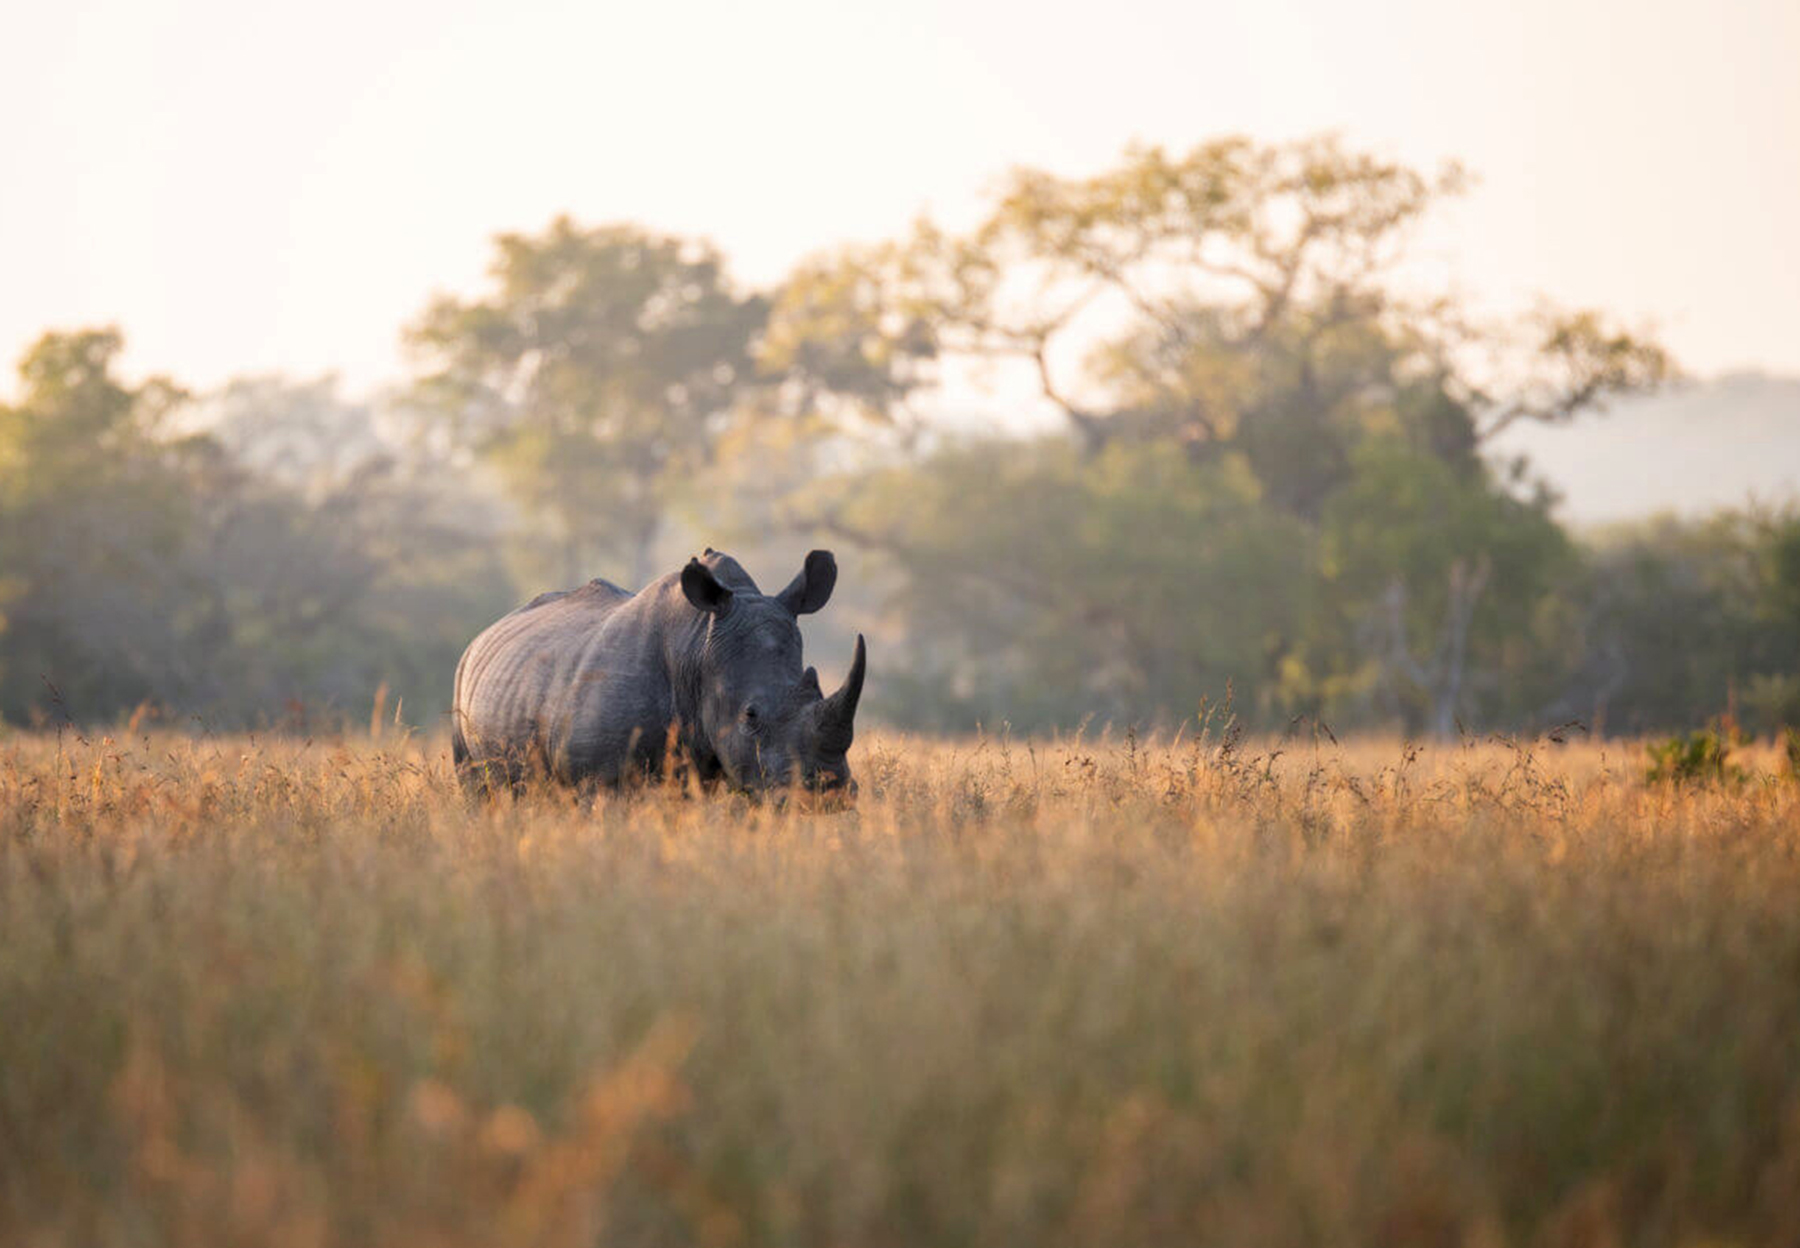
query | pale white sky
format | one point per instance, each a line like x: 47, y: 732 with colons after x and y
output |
x: 245, y: 186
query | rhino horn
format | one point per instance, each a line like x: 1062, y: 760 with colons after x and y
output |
x: 837, y: 714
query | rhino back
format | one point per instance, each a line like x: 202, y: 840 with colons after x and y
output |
x: 574, y: 679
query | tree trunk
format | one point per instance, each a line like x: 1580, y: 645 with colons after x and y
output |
x: 1443, y: 679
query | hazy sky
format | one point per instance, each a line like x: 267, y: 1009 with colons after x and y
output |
x: 246, y: 186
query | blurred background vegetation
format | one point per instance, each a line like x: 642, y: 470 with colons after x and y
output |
x: 1241, y: 459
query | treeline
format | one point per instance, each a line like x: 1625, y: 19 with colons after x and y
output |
x: 275, y: 567
x: 1263, y: 472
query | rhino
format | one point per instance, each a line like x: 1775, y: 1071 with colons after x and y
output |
x: 598, y: 686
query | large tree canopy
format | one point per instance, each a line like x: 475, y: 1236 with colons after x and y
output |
x: 1239, y: 310
x: 596, y: 376
x: 1242, y: 296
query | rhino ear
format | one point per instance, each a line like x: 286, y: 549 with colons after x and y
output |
x: 703, y: 589
x: 811, y: 590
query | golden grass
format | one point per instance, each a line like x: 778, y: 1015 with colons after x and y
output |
x: 271, y: 992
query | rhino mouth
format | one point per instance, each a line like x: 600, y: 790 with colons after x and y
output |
x: 824, y: 786
x: 809, y: 799
x: 840, y: 797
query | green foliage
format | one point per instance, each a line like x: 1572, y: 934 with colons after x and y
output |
x: 1682, y: 616
x: 1576, y: 362
x: 1272, y: 476
x: 1425, y: 561
x: 596, y: 377
x: 1304, y: 451
x: 278, y: 568
x: 1042, y: 588
x: 1702, y: 757
x: 1235, y: 297
x: 94, y: 518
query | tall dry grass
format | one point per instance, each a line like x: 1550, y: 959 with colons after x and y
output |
x: 272, y: 992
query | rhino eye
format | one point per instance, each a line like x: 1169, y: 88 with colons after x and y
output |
x: 752, y: 717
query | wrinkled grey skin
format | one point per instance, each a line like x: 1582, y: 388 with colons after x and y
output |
x: 595, y: 685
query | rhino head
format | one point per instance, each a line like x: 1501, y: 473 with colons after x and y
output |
x: 762, y: 715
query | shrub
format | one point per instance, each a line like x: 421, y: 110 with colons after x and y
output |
x: 1699, y: 757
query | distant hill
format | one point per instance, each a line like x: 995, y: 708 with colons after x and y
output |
x: 1709, y: 444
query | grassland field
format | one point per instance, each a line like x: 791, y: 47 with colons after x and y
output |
x: 266, y: 991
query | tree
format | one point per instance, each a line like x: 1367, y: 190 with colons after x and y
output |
x: 1042, y: 588
x: 94, y: 512
x: 1687, y: 620
x: 1239, y: 305
x: 1447, y: 587
x: 347, y: 557
x: 229, y: 563
x: 1239, y: 297
x: 596, y: 376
